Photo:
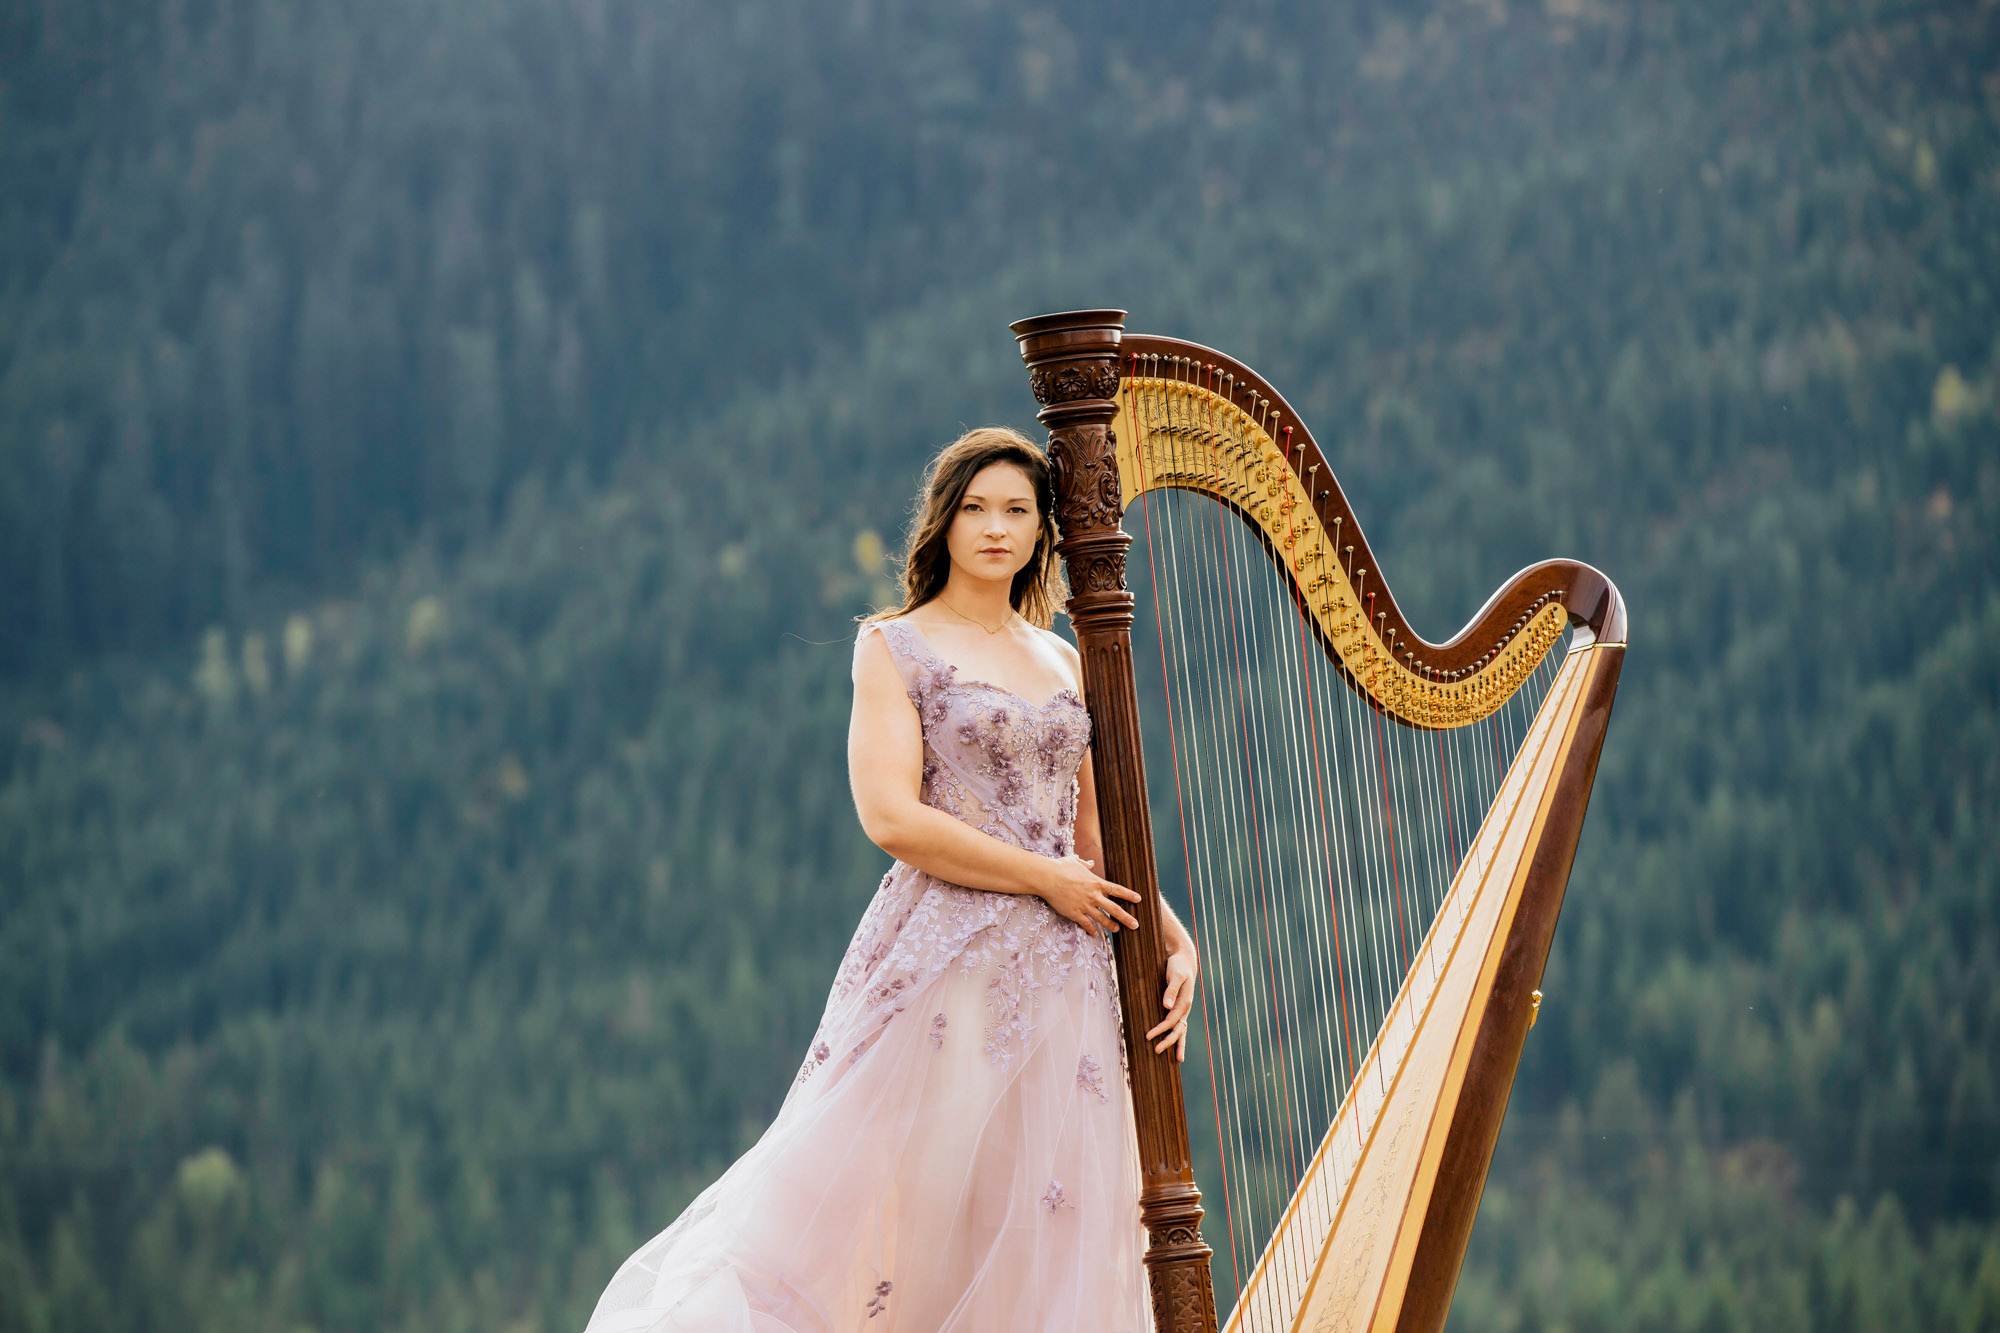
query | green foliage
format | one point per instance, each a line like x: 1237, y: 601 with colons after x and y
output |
x: 459, y: 419
x: 1671, y: 1234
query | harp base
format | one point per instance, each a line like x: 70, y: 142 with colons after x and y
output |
x: 1177, y: 1260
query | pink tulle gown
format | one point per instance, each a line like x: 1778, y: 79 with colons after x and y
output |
x: 958, y: 1151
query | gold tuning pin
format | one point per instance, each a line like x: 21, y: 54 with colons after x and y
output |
x: 1534, y: 1007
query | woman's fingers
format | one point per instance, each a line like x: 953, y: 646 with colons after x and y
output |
x: 1082, y: 914
x: 1114, y: 913
x: 1177, y: 1016
x: 1176, y: 1022
x: 1106, y: 888
x: 1178, y: 1001
x: 1098, y: 913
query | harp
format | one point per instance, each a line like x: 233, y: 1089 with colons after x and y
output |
x: 1374, y: 834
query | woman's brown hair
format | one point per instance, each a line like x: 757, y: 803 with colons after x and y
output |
x: 1038, y: 586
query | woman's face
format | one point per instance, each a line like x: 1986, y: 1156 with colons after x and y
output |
x: 993, y: 534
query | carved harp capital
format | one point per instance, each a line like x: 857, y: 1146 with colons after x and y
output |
x: 1072, y: 361
x: 1072, y: 357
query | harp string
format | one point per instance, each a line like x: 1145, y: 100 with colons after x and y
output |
x: 1260, y: 1113
x: 1307, y: 839
x: 1250, y: 735
x: 1216, y: 804
x: 1260, y: 726
x: 1314, y: 833
x: 1255, y: 1073
x: 1309, y: 836
x: 1217, y: 794
x: 1273, y: 732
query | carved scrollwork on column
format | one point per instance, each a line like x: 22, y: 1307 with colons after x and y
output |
x: 1097, y: 572
x: 1184, y: 1298
x: 1064, y: 383
x: 1086, y: 467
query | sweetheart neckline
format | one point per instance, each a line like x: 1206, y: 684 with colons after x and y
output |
x: 1066, y: 692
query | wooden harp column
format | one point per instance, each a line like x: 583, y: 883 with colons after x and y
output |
x: 1073, y: 369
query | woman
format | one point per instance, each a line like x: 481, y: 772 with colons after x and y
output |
x: 958, y: 1151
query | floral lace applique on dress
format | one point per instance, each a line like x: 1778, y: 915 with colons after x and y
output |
x: 1090, y: 1078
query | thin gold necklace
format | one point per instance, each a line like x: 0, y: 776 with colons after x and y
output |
x: 969, y: 620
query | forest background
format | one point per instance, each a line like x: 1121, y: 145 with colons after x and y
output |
x: 443, y: 444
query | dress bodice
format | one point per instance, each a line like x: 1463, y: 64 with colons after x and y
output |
x: 999, y: 762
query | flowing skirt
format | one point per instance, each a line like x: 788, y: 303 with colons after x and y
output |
x: 957, y: 1154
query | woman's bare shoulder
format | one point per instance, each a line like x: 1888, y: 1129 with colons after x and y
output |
x: 1064, y: 645
x: 1068, y: 652
x: 871, y: 650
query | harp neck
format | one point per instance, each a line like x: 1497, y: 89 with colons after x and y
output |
x: 1194, y: 419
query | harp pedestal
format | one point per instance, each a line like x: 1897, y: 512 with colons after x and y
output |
x: 1073, y: 368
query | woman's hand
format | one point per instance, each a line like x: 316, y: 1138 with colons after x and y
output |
x: 1182, y: 969
x: 1081, y: 894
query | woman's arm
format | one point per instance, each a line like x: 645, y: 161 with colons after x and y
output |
x: 885, y: 752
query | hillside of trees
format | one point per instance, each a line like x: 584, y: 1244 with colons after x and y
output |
x: 446, y: 445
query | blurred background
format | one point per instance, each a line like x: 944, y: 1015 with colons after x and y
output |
x: 443, y: 444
